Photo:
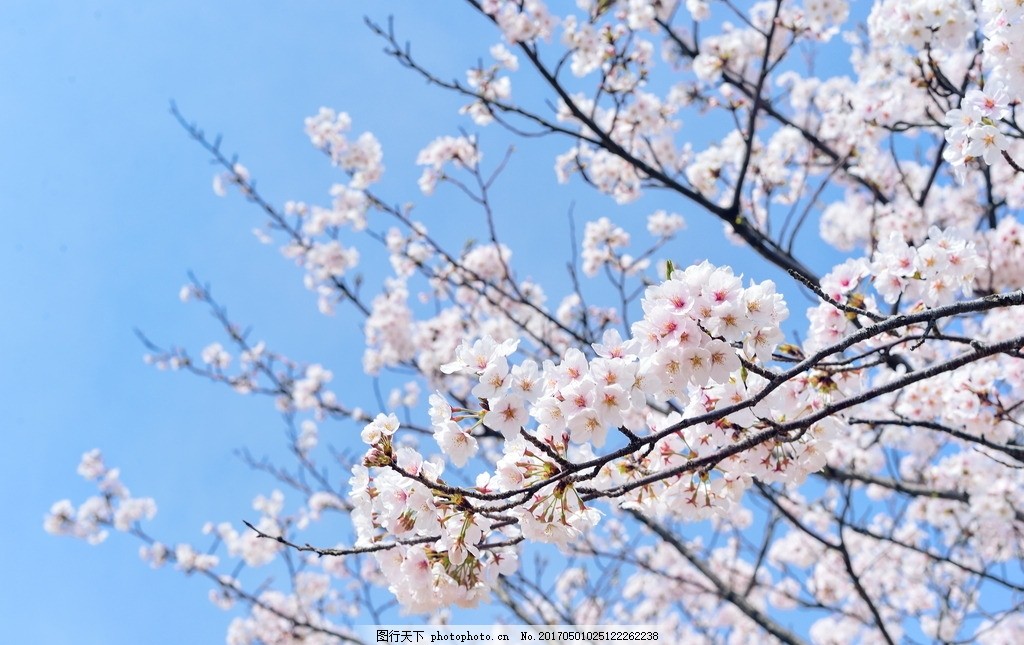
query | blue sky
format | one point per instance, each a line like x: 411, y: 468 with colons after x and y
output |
x: 106, y: 204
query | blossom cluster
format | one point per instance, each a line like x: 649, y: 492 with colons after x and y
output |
x: 976, y: 127
x: 314, y: 241
x: 600, y: 240
x: 974, y: 130
x: 362, y: 157
x: 521, y: 20
x: 1004, y: 35
x: 933, y: 271
x: 699, y: 328
x: 113, y: 507
x: 461, y: 151
x: 396, y: 501
x: 490, y: 85
x: 943, y: 24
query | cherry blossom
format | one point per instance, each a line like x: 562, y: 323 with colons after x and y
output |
x: 710, y: 463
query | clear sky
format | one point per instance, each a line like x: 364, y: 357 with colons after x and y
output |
x: 106, y: 203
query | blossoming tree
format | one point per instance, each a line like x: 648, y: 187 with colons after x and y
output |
x: 702, y: 458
